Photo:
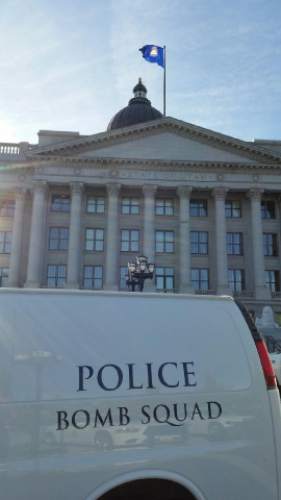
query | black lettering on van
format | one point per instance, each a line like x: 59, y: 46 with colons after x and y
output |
x: 161, y: 377
x: 85, y: 373
x: 62, y: 422
x: 124, y: 418
x: 149, y: 376
x: 197, y: 411
x: 214, y: 410
x: 176, y: 413
x: 132, y: 377
x: 118, y: 381
x: 80, y: 419
x: 144, y: 411
x: 103, y: 421
x: 187, y: 374
x: 165, y: 411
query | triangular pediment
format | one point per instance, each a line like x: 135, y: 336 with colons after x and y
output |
x: 166, y: 139
x: 165, y: 145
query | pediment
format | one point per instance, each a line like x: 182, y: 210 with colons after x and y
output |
x: 166, y: 139
x: 165, y: 146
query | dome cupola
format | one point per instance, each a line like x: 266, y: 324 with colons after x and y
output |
x: 139, y: 110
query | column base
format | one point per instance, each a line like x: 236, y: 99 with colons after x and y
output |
x: 149, y: 286
x: 262, y: 293
x: 73, y: 285
x: 186, y: 289
x: 32, y: 284
x: 224, y: 290
x: 13, y: 284
x: 111, y: 287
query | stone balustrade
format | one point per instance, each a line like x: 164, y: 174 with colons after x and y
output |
x: 13, y: 151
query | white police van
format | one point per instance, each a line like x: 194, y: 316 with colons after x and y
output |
x: 134, y: 396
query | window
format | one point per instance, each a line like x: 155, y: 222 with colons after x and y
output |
x: 164, y: 207
x: 60, y: 203
x: 94, y: 240
x: 270, y: 245
x: 95, y: 205
x: 165, y: 241
x: 234, y: 244
x: 56, y: 275
x: 198, y: 208
x: 236, y: 280
x: 58, y: 238
x: 199, y: 242
x: 165, y: 279
x: 123, y: 277
x: 4, y: 275
x: 7, y: 208
x: 267, y: 209
x: 130, y: 240
x: 92, y: 277
x: 232, y: 209
x: 130, y: 206
x: 272, y: 280
x: 5, y: 241
x: 200, y: 279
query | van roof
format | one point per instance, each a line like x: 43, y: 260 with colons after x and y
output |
x: 65, y: 291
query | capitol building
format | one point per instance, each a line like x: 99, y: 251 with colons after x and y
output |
x: 204, y: 207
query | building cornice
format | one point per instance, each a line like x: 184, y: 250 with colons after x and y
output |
x: 142, y: 164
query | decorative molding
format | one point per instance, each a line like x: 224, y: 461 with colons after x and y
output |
x: 100, y: 162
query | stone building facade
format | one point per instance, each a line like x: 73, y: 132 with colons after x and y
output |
x: 203, y: 206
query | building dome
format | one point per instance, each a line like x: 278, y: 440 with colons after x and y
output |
x: 139, y: 110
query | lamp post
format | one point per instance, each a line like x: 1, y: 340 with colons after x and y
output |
x: 138, y: 272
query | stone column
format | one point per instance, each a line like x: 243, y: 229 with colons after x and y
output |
x: 219, y: 194
x: 112, y: 239
x: 184, y: 239
x: 73, y: 259
x: 149, y: 191
x: 260, y: 289
x: 15, y: 257
x: 37, y: 235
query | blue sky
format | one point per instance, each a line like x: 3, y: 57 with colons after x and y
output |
x: 71, y: 65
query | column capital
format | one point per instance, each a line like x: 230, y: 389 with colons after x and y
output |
x: 40, y: 186
x: 113, y: 188
x: 219, y: 192
x: 149, y: 189
x: 76, y: 187
x: 184, y: 191
x: 20, y: 192
x: 255, y: 194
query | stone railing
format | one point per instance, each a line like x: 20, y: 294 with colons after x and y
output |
x: 10, y: 151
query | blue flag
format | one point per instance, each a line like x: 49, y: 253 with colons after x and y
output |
x: 153, y: 54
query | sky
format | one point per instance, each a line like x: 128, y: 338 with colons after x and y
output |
x: 72, y: 64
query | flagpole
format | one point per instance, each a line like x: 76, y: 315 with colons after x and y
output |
x: 164, y: 82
